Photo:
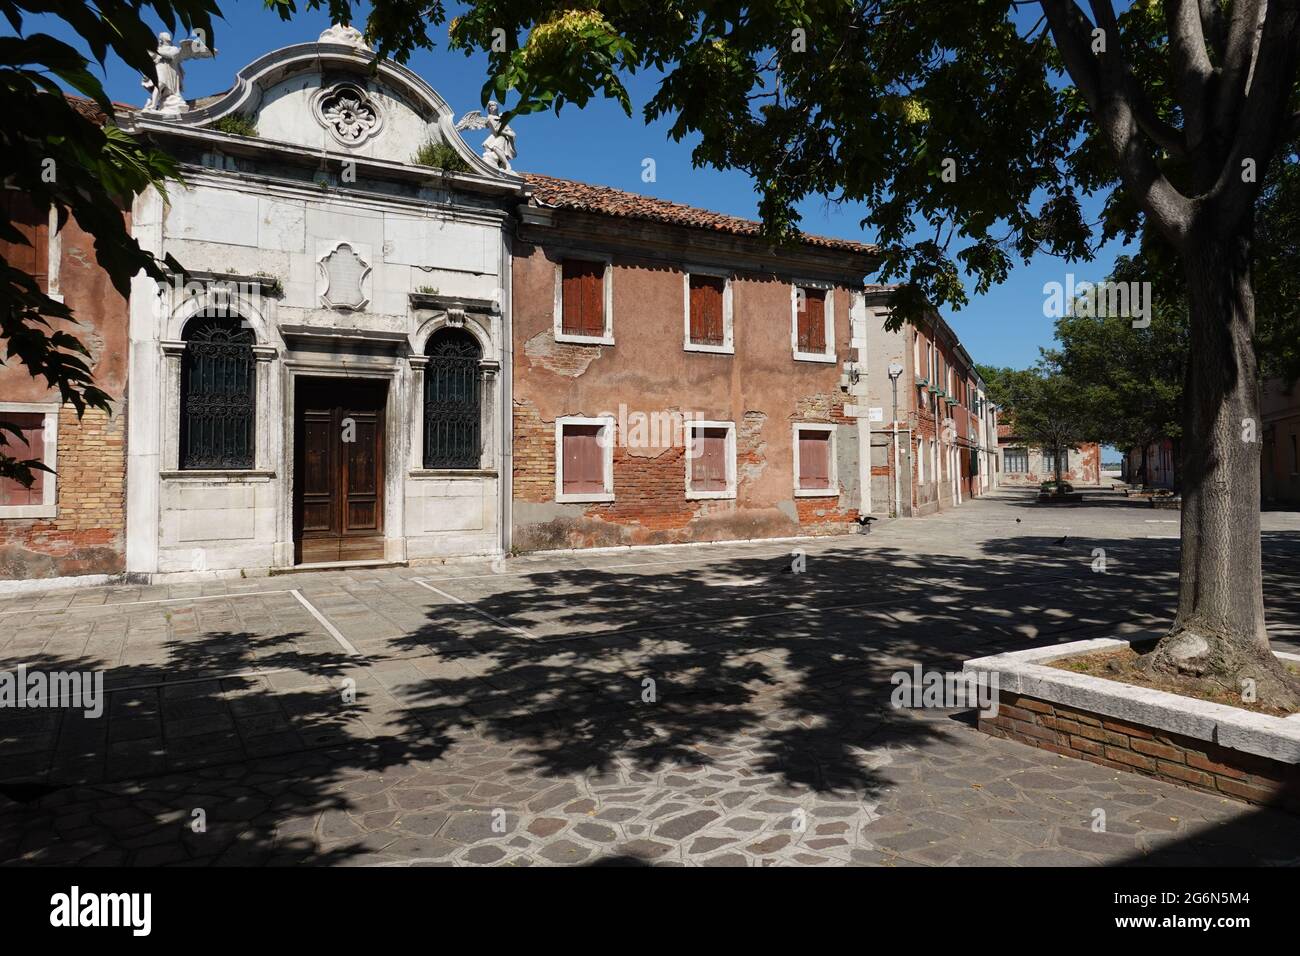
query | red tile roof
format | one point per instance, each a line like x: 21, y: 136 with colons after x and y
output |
x: 604, y: 200
x: 91, y: 111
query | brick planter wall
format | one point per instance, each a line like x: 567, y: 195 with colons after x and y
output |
x: 1173, y: 758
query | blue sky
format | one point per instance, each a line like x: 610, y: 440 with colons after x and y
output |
x: 599, y: 144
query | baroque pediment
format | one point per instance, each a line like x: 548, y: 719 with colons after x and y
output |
x: 332, y: 97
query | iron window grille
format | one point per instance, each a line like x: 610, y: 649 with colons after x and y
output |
x: 453, y: 401
x: 218, y: 398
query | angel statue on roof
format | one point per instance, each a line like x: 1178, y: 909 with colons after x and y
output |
x: 499, y: 147
x: 165, y: 95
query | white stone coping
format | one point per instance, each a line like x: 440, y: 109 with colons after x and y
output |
x: 1025, y: 673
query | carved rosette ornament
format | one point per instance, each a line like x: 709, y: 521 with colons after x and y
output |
x: 348, y: 112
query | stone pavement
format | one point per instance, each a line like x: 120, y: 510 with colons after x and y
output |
x: 684, y: 705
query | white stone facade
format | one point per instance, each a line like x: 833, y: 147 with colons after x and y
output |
x: 343, y: 257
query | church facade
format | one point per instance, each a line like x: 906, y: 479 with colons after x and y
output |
x: 384, y: 346
x: 298, y: 396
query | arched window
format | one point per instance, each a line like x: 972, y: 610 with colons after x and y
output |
x: 452, y: 401
x: 218, y: 398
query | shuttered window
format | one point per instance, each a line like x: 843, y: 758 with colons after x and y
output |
x: 1016, y: 459
x: 708, y: 465
x: 583, y: 298
x: 707, y: 322
x: 33, y: 224
x: 30, y: 447
x: 1049, y: 462
x: 814, y: 460
x: 582, y: 463
x: 810, y: 333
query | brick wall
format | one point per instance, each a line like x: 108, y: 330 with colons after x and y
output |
x: 760, y: 387
x: 87, y: 534
x: 650, y: 506
x: 1120, y: 745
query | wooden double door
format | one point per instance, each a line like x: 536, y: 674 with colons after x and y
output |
x: 339, y: 470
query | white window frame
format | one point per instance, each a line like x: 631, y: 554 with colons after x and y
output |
x: 557, y: 311
x: 920, y: 464
x: 48, y: 508
x: 834, y: 477
x: 606, y: 440
x: 827, y: 356
x: 728, y: 346
x: 730, y: 491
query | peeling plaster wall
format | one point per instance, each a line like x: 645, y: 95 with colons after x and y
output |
x: 86, y: 533
x: 1085, y: 466
x: 761, y: 388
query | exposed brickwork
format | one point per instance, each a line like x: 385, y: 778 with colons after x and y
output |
x: 534, y: 454
x: 1123, y: 746
x: 86, y: 535
x: 821, y: 407
x: 649, y: 372
x: 563, y: 358
x: 650, y: 505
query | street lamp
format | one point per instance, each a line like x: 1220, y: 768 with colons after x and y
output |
x: 895, y: 370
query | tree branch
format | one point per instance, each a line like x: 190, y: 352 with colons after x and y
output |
x: 1191, y: 65
x: 1213, y: 26
x: 1262, y: 121
x: 1239, y: 55
x: 1106, y: 86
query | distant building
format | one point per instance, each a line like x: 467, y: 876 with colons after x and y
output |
x: 933, y: 447
x: 1279, y: 471
x: 1025, y: 464
x: 1156, y: 469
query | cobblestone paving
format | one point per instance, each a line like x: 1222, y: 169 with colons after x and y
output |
x: 518, y: 728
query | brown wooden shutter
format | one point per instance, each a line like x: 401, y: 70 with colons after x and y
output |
x: 34, y: 224
x: 583, y: 297
x: 706, y: 310
x: 583, y: 460
x: 32, y: 425
x: 709, y: 468
x: 814, y: 459
x: 811, y: 330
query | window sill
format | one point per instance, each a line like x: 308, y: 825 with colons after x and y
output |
x: 816, y: 492
x: 426, y: 473
x: 217, y: 474
x: 729, y: 495
x: 28, y: 511
x: 593, y: 498
x: 815, y: 357
x: 573, y: 339
x: 715, y: 349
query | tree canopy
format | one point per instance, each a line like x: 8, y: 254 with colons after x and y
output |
x: 82, y: 166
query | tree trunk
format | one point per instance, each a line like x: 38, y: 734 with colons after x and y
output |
x: 1219, y: 630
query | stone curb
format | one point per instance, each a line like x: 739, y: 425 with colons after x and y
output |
x: 1024, y: 673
